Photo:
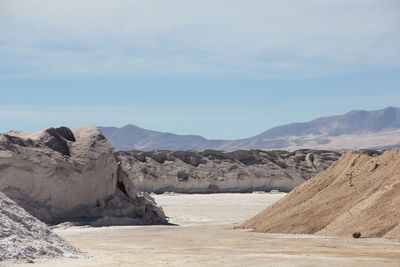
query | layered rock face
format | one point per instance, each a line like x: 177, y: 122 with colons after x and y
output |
x: 213, y: 171
x: 25, y: 238
x: 61, y: 174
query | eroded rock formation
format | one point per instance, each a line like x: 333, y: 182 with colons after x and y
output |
x: 61, y: 174
x: 214, y: 171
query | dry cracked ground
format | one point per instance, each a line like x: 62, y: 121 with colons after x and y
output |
x: 204, y: 237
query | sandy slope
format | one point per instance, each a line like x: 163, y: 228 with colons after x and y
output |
x: 25, y: 238
x: 357, y: 193
x: 206, y: 239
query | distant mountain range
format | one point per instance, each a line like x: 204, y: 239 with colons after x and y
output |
x: 358, y: 129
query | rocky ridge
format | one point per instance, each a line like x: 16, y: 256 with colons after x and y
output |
x: 213, y: 171
x: 59, y: 174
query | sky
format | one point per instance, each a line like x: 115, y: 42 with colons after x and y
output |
x: 221, y: 69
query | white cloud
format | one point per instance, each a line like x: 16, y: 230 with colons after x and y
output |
x: 272, y: 39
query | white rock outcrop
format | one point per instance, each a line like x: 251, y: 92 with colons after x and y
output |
x: 213, y: 171
x: 25, y: 238
x: 60, y: 174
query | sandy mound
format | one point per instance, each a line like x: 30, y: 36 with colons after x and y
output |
x: 24, y: 238
x: 359, y: 193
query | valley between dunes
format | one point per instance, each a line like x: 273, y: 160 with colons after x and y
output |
x: 205, y: 237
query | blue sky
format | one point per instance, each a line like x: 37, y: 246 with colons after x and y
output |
x: 221, y: 69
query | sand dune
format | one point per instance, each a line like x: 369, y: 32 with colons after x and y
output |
x: 359, y: 193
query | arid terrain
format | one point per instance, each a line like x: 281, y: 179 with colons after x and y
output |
x: 205, y: 237
x: 358, y: 193
x: 199, y: 133
x: 74, y: 181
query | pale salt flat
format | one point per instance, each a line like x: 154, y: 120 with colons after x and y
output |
x: 216, y: 209
x: 205, y: 238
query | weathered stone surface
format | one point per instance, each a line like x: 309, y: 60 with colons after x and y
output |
x: 212, y: 171
x: 60, y: 174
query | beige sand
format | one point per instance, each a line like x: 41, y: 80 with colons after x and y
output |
x: 206, y: 239
x: 358, y: 193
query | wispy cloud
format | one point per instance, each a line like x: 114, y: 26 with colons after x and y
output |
x: 269, y: 39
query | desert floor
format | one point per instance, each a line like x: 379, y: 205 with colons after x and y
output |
x: 205, y: 237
